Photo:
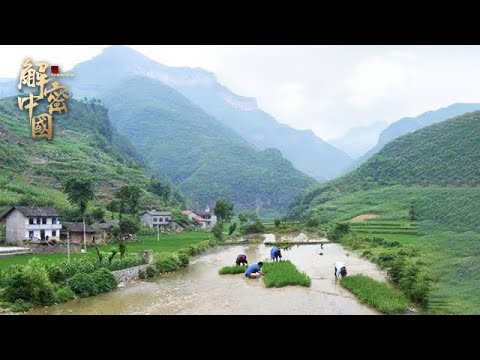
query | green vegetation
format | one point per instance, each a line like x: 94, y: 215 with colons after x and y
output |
x: 376, y: 294
x: 32, y: 171
x: 232, y: 270
x: 184, y: 143
x: 426, y: 199
x: 284, y: 273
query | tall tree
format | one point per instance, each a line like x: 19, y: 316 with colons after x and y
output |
x: 224, y: 209
x: 128, y: 195
x: 80, y: 190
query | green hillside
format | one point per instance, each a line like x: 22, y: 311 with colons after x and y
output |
x: 204, y: 158
x: 433, y: 171
x: 84, y: 143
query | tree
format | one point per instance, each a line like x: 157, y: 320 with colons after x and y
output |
x: 217, y: 231
x: 224, y: 209
x: 162, y: 189
x: 128, y: 195
x: 247, y: 216
x: 128, y: 226
x: 412, y: 214
x: 232, y: 228
x: 277, y: 222
x: 80, y: 190
x: 98, y: 214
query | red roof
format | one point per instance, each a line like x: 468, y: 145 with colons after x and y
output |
x: 186, y: 212
x: 199, y: 218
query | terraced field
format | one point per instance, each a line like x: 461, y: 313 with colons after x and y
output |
x: 401, y: 231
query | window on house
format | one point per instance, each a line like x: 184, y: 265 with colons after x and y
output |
x: 161, y: 219
x: 30, y: 221
x: 155, y: 219
x: 30, y: 234
x: 38, y: 221
x: 54, y: 233
x: 44, y: 221
x: 54, y: 221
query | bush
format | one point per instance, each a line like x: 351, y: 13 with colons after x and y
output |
x: 312, y: 222
x: 64, y: 294
x: 252, y: 228
x: 122, y: 248
x: 151, y: 271
x: 232, y: 228
x: 29, y: 283
x: 183, y: 258
x: 20, y: 306
x: 217, y: 231
x: 104, y: 280
x: 277, y: 223
x: 142, y: 274
x: 82, y: 284
x: 167, y: 262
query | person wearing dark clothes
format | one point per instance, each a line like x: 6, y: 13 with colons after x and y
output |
x: 241, y: 259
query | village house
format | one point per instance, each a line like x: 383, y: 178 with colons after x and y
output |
x: 31, y: 223
x: 177, y: 226
x: 209, y: 217
x: 154, y: 218
x: 105, y: 229
x: 75, y: 231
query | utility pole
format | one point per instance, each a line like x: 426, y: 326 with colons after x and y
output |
x: 84, y: 236
x: 158, y: 233
x: 68, y: 245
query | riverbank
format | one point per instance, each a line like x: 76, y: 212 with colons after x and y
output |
x: 199, y: 289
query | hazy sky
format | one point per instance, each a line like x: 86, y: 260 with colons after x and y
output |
x: 328, y: 89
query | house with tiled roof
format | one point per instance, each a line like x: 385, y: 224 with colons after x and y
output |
x: 31, y: 223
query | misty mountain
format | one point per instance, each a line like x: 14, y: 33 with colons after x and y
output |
x: 306, y: 151
x: 358, y: 140
x: 205, y: 158
x: 411, y: 124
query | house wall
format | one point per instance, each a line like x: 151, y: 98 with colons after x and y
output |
x: 146, y: 219
x: 77, y: 238
x: 16, y: 225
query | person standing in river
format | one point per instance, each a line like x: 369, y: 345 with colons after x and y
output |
x: 340, y: 270
x: 241, y: 259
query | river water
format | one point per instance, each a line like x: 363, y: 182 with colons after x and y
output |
x: 198, y: 289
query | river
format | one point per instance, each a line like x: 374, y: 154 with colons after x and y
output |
x: 198, y: 289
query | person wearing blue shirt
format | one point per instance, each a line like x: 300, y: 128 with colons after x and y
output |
x: 254, y: 271
x: 275, y: 253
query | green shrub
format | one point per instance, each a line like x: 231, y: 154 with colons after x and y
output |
x: 29, y: 283
x: 151, y: 271
x: 167, y: 262
x: 232, y: 228
x: 183, y: 258
x: 142, y: 274
x: 252, y: 228
x: 64, y: 294
x: 82, y: 284
x: 20, y: 305
x: 104, y: 280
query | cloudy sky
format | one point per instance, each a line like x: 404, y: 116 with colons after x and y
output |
x: 328, y: 89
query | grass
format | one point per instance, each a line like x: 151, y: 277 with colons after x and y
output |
x: 379, y: 295
x: 167, y: 243
x: 284, y: 273
x: 232, y: 270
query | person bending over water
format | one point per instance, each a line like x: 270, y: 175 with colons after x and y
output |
x: 254, y: 271
x: 241, y: 259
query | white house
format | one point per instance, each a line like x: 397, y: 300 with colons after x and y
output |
x: 154, y: 218
x: 31, y: 223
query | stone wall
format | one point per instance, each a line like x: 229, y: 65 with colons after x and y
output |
x: 128, y: 274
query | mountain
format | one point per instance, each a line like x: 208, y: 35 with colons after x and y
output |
x: 84, y: 143
x: 411, y: 124
x: 422, y: 190
x: 306, y: 151
x: 358, y: 140
x: 203, y: 157
x: 442, y: 154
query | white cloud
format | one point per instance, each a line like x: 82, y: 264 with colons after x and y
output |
x: 328, y: 89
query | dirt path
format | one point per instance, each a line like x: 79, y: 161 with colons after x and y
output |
x: 364, y: 217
